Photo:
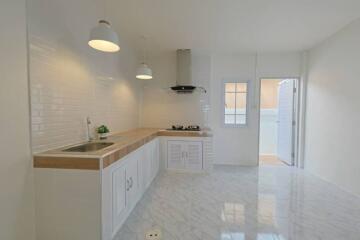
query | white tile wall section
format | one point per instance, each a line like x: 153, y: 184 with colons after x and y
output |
x: 70, y: 81
x: 163, y: 107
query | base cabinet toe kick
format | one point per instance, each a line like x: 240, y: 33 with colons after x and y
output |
x: 94, y: 204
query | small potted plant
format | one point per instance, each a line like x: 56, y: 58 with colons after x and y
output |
x: 103, y: 131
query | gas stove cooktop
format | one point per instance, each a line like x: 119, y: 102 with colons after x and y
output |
x: 182, y: 128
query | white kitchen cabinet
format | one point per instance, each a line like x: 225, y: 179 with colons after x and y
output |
x: 193, y: 155
x: 102, y: 200
x: 184, y: 155
x: 131, y: 173
x: 124, y: 192
x: 124, y: 182
x: 155, y: 158
x: 119, y: 188
x: 175, y: 154
x: 145, y: 173
x: 149, y: 164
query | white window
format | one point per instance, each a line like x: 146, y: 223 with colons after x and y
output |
x: 235, y: 103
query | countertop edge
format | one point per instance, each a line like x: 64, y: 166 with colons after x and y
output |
x: 55, y: 160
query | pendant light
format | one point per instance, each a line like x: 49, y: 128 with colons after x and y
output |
x: 144, y: 72
x: 104, y: 38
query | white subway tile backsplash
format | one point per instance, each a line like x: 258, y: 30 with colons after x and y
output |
x: 70, y: 81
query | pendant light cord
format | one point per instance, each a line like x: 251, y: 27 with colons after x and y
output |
x: 104, y: 16
x: 144, y: 49
x: 144, y: 29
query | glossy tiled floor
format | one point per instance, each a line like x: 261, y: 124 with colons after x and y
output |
x: 234, y: 203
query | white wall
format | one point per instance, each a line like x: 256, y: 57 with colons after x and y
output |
x: 233, y: 146
x: 70, y: 80
x: 240, y: 146
x: 16, y: 184
x: 163, y: 107
x: 333, y: 104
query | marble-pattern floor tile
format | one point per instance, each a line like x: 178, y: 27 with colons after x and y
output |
x: 243, y: 203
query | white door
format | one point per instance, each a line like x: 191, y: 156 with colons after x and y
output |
x: 176, y: 155
x: 285, y: 121
x: 193, y: 155
x: 119, y: 189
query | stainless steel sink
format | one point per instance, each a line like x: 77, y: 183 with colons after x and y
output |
x: 89, y: 147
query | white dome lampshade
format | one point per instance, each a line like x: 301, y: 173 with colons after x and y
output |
x: 104, y: 38
x: 144, y: 72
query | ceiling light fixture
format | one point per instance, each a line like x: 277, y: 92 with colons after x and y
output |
x: 104, y: 38
x: 144, y: 72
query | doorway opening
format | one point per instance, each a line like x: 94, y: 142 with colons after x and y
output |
x: 278, y: 114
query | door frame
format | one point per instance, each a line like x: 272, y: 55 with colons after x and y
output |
x: 297, y: 112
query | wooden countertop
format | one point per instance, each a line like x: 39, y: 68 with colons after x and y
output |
x: 124, y: 143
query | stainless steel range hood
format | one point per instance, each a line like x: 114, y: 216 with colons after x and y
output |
x: 184, y: 82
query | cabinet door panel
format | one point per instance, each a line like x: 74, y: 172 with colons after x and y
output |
x: 155, y: 158
x: 132, y: 178
x: 147, y: 166
x: 193, y: 155
x: 118, y: 196
x: 175, y: 155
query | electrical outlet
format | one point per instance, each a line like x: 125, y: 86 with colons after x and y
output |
x: 154, y: 234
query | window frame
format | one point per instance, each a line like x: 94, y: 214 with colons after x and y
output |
x: 223, y: 115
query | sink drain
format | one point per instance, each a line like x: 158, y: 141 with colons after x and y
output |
x: 154, y: 234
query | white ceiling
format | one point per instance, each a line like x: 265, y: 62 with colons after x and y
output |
x: 223, y: 26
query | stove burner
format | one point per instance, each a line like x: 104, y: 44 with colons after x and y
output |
x: 188, y: 128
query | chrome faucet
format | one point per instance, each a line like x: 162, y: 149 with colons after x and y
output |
x: 88, y: 122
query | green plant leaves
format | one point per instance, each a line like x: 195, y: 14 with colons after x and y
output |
x: 103, y: 129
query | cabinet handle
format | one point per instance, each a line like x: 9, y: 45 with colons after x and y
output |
x: 131, y: 182
x: 127, y: 185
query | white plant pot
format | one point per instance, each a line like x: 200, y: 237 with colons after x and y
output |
x: 102, y: 135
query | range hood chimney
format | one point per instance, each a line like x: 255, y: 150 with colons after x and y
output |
x: 184, y: 82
